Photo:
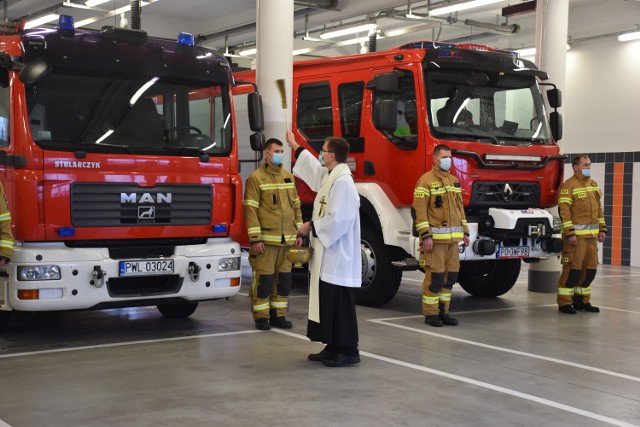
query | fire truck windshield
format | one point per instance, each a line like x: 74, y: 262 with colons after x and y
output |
x: 129, y: 113
x: 498, y: 108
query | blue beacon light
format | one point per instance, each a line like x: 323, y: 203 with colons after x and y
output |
x: 186, y: 39
x: 65, y: 22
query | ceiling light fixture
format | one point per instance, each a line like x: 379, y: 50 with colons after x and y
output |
x: 248, y: 52
x: 41, y: 20
x: 345, y: 31
x: 633, y: 35
x: 531, y: 51
x: 92, y: 3
x: 460, y: 6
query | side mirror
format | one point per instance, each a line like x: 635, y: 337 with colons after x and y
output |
x: 555, y: 121
x: 385, y: 115
x: 385, y: 83
x: 34, y: 71
x: 256, y: 115
x: 257, y: 142
x: 555, y: 98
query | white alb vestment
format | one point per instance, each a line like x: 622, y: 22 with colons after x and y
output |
x: 336, y: 219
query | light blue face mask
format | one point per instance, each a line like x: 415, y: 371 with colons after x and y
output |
x: 445, y: 163
x: 586, y: 172
x: 321, y: 157
x: 277, y: 158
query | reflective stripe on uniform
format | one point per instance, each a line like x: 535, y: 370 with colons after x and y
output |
x: 421, y: 192
x: 445, y: 297
x: 442, y: 233
x: 5, y: 216
x: 260, y: 307
x: 278, y: 304
x: 6, y: 243
x: 251, y: 203
x: 422, y: 225
x: 583, y: 291
x: 565, y: 291
x: 566, y: 200
x: 253, y: 230
x: 430, y: 299
x: 277, y: 238
x: 277, y: 186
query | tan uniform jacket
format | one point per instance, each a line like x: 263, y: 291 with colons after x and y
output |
x: 271, y: 206
x: 437, y: 201
x: 580, y: 208
x: 6, y: 237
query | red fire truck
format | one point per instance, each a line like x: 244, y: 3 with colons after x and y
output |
x: 394, y: 107
x: 119, y: 158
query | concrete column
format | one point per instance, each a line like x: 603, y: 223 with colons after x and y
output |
x: 275, y: 61
x: 552, y: 20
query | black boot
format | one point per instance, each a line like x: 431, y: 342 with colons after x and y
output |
x: 591, y: 308
x: 578, y: 302
x: 567, y: 309
x: 262, y: 324
x: 433, y: 321
x: 448, y: 320
x: 281, y: 322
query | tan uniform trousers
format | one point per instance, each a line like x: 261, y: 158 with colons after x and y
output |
x: 580, y: 258
x: 441, y: 267
x: 271, y: 283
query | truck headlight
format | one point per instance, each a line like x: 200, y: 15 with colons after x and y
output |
x: 557, y: 225
x: 229, y: 264
x: 38, y: 272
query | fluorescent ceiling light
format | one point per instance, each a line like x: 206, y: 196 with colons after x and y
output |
x: 106, y: 135
x: 92, y: 3
x: 302, y: 51
x: 247, y: 52
x: 42, y: 20
x: 109, y: 14
x: 461, y: 6
x: 348, y: 30
x: 634, y: 35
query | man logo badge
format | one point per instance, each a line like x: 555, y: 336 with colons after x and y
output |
x: 146, y: 212
x: 507, y: 191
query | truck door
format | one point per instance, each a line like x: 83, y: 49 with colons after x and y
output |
x: 398, y: 158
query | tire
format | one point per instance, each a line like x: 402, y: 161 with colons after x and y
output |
x: 177, y: 311
x: 489, y: 278
x: 5, y: 316
x: 380, y: 281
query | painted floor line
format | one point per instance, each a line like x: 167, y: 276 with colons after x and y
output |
x: 122, y: 344
x: 489, y: 386
x: 508, y: 350
x: 489, y: 310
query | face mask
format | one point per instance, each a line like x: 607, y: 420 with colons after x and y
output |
x: 321, y: 158
x: 586, y: 172
x: 445, y: 163
x: 277, y: 158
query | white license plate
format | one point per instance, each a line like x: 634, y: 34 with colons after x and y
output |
x: 145, y: 267
x: 514, y: 252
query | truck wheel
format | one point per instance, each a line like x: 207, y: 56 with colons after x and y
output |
x: 4, y: 320
x: 176, y: 311
x: 489, y: 278
x: 380, y: 281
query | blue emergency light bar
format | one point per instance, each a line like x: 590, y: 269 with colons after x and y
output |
x: 65, y: 22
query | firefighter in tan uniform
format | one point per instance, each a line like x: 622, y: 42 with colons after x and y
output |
x: 441, y: 223
x: 272, y: 213
x: 6, y: 237
x: 580, y: 208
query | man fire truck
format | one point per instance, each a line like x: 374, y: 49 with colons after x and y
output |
x: 486, y: 105
x: 119, y: 158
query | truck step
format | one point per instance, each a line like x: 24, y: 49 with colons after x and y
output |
x: 408, y: 264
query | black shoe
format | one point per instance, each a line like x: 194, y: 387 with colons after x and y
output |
x: 341, y: 360
x: 433, y: 321
x: 319, y: 357
x: 448, y: 320
x: 567, y: 309
x: 578, y: 303
x: 591, y: 308
x: 280, y: 322
x: 263, y: 324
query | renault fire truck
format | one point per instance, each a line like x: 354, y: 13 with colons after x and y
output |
x: 119, y: 158
x: 394, y: 107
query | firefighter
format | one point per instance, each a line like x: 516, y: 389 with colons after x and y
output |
x: 580, y: 208
x: 6, y: 238
x: 441, y: 223
x: 272, y: 213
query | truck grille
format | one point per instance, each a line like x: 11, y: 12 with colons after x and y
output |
x: 503, y: 194
x: 113, y: 205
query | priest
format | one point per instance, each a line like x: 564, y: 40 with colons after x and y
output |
x: 335, y: 267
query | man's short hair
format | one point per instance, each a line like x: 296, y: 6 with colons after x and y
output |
x: 340, y: 148
x: 440, y: 147
x: 576, y: 159
x: 272, y: 141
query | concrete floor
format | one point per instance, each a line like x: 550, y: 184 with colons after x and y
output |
x: 513, y: 361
